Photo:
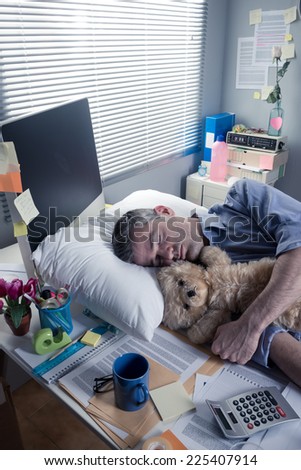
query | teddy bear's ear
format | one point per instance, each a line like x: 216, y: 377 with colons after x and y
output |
x: 165, y: 279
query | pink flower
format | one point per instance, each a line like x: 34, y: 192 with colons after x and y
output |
x: 14, y: 289
x: 1, y: 305
x: 3, y: 291
x: 30, y: 287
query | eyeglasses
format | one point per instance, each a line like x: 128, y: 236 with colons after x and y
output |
x: 103, y: 384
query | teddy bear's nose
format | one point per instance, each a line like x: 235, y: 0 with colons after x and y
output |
x: 191, y: 293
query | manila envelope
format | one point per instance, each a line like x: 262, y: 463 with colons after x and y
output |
x: 103, y: 405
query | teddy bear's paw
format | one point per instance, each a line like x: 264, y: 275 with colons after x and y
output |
x: 212, y: 255
x: 197, y: 336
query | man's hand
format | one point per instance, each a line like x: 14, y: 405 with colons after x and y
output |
x: 234, y: 342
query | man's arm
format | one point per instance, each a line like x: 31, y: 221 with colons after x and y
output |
x: 237, y: 341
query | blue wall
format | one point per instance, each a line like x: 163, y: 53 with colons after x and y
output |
x: 228, y: 20
x: 255, y: 113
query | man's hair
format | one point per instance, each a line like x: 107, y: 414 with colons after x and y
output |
x: 123, y: 231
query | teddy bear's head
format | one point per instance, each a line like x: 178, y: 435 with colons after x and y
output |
x: 185, y: 293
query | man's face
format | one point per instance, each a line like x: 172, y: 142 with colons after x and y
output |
x: 165, y: 240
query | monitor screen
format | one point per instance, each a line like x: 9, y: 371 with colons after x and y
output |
x: 58, y: 162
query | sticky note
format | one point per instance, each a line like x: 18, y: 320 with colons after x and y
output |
x: 290, y: 15
x: 265, y: 91
x: 171, y: 400
x: 20, y: 229
x: 288, y: 37
x: 25, y: 206
x: 255, y: 16
x: 90, y: 338
x: 10, y: 178
x: 256, y: 95
x: 288, y: 51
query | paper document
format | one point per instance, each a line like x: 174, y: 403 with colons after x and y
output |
x: 269, y: 32
x: 165, y: 349
x: 200, y: 430
x: 248, y: 75
x: 288, y: 437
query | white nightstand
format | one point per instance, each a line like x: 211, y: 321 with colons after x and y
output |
x: 203, y: 191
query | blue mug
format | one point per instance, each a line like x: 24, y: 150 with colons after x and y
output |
x: 131, y: 377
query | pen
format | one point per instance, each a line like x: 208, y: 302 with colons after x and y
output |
x: 60, y: 351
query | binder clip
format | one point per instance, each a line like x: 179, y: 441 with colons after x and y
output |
x: 44, y: 342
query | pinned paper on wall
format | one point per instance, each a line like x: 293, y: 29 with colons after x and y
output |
x: 290, y: 15
x: 270, y: 32
x: 255, y: 16
x: 248, y: 76
x: 265, y: 91
x: 288, y: 51
x: 10, y: 177
x: 26, y: 207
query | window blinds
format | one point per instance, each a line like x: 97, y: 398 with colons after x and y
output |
x: 138, y: 62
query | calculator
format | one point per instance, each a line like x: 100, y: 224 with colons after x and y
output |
x: 247, y: 413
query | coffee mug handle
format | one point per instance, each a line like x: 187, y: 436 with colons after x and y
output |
x: 144, y: 394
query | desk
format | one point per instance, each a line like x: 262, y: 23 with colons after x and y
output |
x: 8, y: 344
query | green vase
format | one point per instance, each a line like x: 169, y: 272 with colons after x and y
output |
x: 276, y: 120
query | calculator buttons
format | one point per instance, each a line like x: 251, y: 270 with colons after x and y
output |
x: 270, y: 397
x: 256, y: 410
x: 280, y: 411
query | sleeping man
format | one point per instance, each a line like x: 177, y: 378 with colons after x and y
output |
x: 255, y: 221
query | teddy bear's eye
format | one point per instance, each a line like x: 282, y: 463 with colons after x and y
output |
x: 186, y: 306
x: 181, y: 283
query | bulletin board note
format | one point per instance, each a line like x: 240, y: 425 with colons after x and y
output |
x: 26, y: 207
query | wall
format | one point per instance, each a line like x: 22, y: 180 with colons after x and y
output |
x: 255, y: 113
x: 227, y: 21
x: 171, y: 178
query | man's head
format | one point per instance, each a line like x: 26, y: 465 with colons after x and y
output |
x: 156, y: 237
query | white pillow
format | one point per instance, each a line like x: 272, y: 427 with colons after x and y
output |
x: 123, y: 294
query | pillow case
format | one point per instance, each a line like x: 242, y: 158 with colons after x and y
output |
x: 123, y: 294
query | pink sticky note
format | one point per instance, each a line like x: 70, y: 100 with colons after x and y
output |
x: 265, y: 162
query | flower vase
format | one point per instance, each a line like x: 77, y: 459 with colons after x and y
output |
x: 276, y: 120
x: 23, y: 328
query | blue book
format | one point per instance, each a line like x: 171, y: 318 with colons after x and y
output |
x: 217, y: 124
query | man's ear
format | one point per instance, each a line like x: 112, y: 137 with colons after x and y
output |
x: 164, y: 210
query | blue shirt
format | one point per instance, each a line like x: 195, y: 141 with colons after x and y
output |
x: 256, y: 220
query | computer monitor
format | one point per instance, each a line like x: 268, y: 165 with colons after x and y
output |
x: 58, y: 161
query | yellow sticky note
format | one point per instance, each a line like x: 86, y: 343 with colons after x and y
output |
x: 288, y: 37
x: 90, y: 338
x: 290, y: 15
x: 288, y: 51
x: 256, y: 95
x: 255, y: 16
x: 20, y: 229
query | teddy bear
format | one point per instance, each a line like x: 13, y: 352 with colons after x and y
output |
x: 199, y: 298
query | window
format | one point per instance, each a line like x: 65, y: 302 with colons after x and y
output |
x: 139, y: 63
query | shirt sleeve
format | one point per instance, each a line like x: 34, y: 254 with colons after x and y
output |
x: 275, y: 216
